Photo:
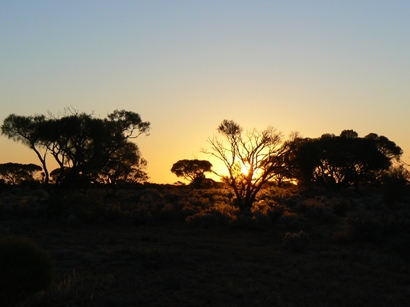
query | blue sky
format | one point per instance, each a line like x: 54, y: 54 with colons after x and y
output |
x: 309, y: 66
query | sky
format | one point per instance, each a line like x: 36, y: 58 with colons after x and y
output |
x: 309, y: 66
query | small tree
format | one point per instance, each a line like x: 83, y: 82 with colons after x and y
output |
x: 192, y: 170
x: 16, y: 173
x: 251, y: 159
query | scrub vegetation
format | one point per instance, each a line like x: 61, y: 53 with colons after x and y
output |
x: 297, y: 222
x: 164, y: 245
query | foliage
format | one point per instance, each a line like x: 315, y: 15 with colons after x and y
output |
x: 87, y: 207
x: 16, y: 173
x: 341, y: 161
x: 319, y: 211
x: 209, y: 219
x: 371, y: 236
x: 395, y: 183
x: 296, y: 242
x: 85, y: 148
x: 291, y: 220
x: 25, y: 269
x: 251, y: 159
x: 376, y: 225
x: 192, y: 170
x: 27, y: 130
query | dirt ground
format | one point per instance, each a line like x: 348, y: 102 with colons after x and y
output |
x: 171, y: 264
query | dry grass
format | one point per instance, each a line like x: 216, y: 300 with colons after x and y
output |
x: 170, y: 263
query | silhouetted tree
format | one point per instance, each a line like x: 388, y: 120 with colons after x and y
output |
x: 27, y: 130
x: 251, y: 159
x: 287, y: 173
x: 124, y: 162
x: 71, y: 140
x: 16, y: 173
x: 84, y: 147
x: 340, y: 161
x: 55, y: 174
x: 192, y: 170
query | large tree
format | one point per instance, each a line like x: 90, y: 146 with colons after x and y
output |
x: 84, y: 147
x: 345, y: 160
x: 251, y: 159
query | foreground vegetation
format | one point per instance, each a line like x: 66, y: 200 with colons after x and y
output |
x: 166, y: 245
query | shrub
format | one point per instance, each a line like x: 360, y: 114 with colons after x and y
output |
x: 143, y: 217
x: 85, y: 206
x: 394, y: 185
x: 275, y: 213
x: 291, y: 220
x: 243, y: 221
x: 150, y: 195
x: 207, y: 220
x: 256, y: 221
x: 25, y: 269
x: 318, y: 211
x: 340, y: 205
x: 377, y: 226
x: 296, y: 242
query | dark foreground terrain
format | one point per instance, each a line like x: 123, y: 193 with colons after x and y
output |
x: 172, y: 263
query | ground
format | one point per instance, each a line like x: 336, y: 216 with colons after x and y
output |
x: 171, y: 263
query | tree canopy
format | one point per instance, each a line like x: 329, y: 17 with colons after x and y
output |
x: 192, y: 170
x: 251, y: 158
x: 344, y: 160
x: 16, y: 173
x: 88, y: 149
x: 85, y: 148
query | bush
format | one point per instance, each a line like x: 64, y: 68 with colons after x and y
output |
x: 291, y: 220
x: 275, y: 213
x: 25, y: 269
x: 208, y: 219
x: 394, y: 186
x: 296, y: 242
x: 317, y: 210
x: 378, y: 226
x: 341, y: 205
x: 89, y: 207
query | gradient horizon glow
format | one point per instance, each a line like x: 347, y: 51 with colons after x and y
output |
x: 310, y: 66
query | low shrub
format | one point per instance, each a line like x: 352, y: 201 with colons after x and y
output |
x: 394, y: 187
x: 378, y: 225
x: 340, y: 205
x: 25, y: 269
x: 319, y: 211
x: 169, y: 212
x: 291, y: 220
x: 243, y: 221
x: 208, y: 219
x: 142, y: 217
x: 256, y: 221
x: 275, y: 213
x: 296, y: 242
x: 86, y: 206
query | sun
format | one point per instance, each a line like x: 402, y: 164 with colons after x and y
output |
x: 245, y: 168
